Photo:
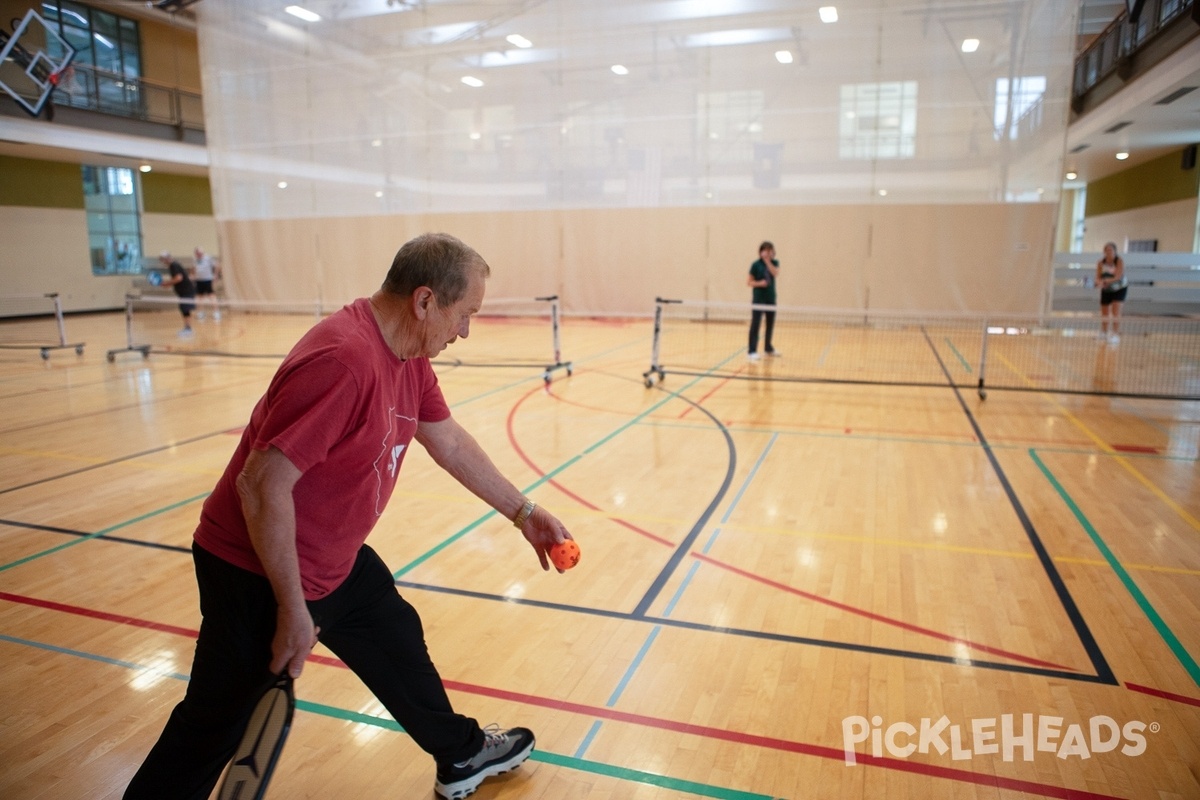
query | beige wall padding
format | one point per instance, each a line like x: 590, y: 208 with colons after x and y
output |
x: 1172, y: 224
x: 965, y: 258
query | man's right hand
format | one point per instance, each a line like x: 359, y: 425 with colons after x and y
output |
x: 295, y: 637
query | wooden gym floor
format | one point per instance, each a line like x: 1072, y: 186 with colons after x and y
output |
x: 963, y: 598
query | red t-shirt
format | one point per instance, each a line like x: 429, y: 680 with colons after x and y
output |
x: 343, y: 409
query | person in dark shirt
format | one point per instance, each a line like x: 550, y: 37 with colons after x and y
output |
x: 762, y: 279
x: 178, y: 279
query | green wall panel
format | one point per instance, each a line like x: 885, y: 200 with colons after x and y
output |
x: 1159, y: 181
x: 176, y: 194
x: 40, y: 184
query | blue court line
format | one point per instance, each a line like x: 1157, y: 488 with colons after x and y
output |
x: 828, y: 347
x: 116, y: 662
x: 750, y: 477
x: 386, y: 723
x: 110, y: 529
x: 1171, y: 640
x: 755, y: 634
x: 1103, y: 671
x: 641, y: 654
x: 624, y: 682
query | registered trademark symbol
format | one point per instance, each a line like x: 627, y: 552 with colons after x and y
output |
x: 1155, y: 727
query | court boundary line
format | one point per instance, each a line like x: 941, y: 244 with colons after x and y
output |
x: 645, y: 721
x: 1091, y: 647
x: 1164, y: 631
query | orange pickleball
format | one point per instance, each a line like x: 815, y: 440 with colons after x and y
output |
x: 565, y: 555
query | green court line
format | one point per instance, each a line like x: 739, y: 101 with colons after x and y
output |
x: 637, y: 776
x: 570, y: 762
x: 421, y: 559
x: 1156, y: 620
x: 957, y: 354
x: 505, y: 388
x: 555, y: 759
x: 91, y: 536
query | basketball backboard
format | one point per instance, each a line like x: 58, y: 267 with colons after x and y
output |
x: 32, y: 58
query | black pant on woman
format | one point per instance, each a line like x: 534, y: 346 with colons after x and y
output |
x: 364, y: 621
x: 755, y: 318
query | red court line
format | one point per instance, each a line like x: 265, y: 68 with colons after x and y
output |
x: 703, y: 731
x: 1135, y: 448
x: 879, y: 617
x: 1178, y: 698
x: 102, y: 615
x: 887, y: 620
x: 512, y: 438
x: 720, y: 385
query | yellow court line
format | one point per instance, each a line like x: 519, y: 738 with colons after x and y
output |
x: 1093, y: 562
x: 1109, y: 450
x: 567, y: 512
x: 951, y: 548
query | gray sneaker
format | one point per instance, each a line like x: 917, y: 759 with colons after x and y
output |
x: 501, y: 751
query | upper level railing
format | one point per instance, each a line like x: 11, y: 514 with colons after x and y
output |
x: 1121, y: 38
x: 95, y: 89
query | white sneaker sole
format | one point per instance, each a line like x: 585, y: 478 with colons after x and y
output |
x: 467, y: 786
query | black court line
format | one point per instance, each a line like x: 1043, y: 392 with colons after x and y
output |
x: 84, y: 534
x: 110, y: 462
x: 761, y: 635
x: 990, y: 387
x: 1104, y: 673
x: 685, y: 546
x: 124, y: 407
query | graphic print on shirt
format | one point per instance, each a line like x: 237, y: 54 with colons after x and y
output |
x: 388, y: 462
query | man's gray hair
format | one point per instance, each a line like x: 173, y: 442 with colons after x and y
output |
x: 439, y: 261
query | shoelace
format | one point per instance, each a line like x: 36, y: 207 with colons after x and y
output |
x: 493, y: 737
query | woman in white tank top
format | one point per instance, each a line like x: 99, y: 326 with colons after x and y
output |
x: 1110, y: 277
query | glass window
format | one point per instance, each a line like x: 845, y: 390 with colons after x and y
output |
x: 878, y: 120
x: 114, y: 221
x: 101, y: 39
x: 1023, y: 95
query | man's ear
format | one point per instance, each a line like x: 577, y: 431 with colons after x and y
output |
x: 423, y: 300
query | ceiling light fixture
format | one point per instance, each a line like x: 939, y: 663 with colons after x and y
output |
x: 970, y: 45
x: 145, y: 168
x: 282, y: 184
x: 1072, y: 176
x: 1122, y: 156
x: 828, y: 14
x: 303, y: 13
x: 883, y: 192
x: 620, y: 69
x: 783, y: 56
x: 471, y: 80
x: 517, y: 40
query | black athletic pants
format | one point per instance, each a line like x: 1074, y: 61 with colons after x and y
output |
x: 364, y: 621
x: 756, y: 317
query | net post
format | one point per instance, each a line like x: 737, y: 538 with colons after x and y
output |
x: 983, y: 360
x: 58, y: 317
x: 554, y: 329
x: 555, y: 337
x: 144, y: 349
x: 654, y: 349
